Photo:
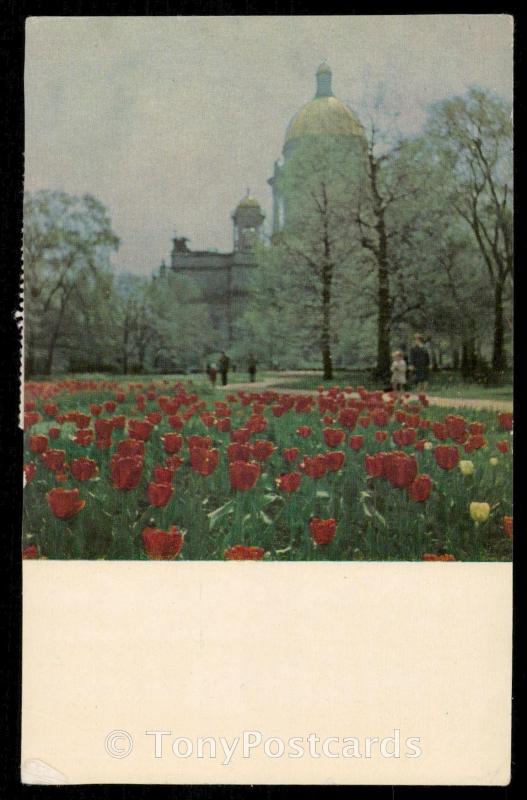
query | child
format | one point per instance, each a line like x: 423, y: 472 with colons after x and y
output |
x: 398, y: 371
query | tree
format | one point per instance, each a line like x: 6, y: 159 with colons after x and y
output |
x: 68, y: 242
x: 318, y: 244
x: 471, y: 140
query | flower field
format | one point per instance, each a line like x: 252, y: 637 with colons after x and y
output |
x: 156, y: 470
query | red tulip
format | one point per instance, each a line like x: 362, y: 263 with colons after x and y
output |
x: 446, y: 456
x: 203, y: 442
x: 204, y: 460
x: 304, y: 431
x: 505, y: 420
x: 439, y: 430
x: 243, y: 475
x: 364, y: 421
x: 238, y: 452
x: 262, y: 449
x: 322, y: 530
x: 256, y: 424
x: 381, y: 436
x: 400, y: 469
x: 476, y: 428
x: 131, y: 447
x: 95, y: 409
x: 65, y: 503
x: 125, y: 471
x: 314, y: 467
x: 404, y: 436
x: 109, y: 406
x: 54, y: 459
x: 356, y: 442
x: 334, y: 460
x: 118, y: 423
x: 174, y: 462
x: 223, y: 425
x: 159, y: 494
x: 456, y: 426
x: 83, y: 469
x: 503, y: 446
x: 374, y: 465
x: 163, y: 475
x: 380, y: 417
x: 84, y: 437
x: 172, y: 442
x: 54, y: 433
x: 420, y: 488
x: 241, y: 552
x: 436, y: 557
x: 240, y: 435
x: 50, y: 409
x: 348, y: 418
x: 103, y: 428
x: 30, y: 552
x: 31, y: 418
x: 82, y: 420
x: 508, y: 526
x: 290, y: 454
x: 139, y: 429
x: 38, y: 443
x: 175, y: 422
x: 154, y: 417
x: 333, y: 437
x: 289, y: 481
x: 475, y: 443
x: 163, y: 545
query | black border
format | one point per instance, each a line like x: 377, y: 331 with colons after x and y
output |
x: 11, y: 182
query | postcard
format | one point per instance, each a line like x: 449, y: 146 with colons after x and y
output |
x: 267, y: 406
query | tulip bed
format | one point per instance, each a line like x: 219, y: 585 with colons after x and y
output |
x: 156, y: 470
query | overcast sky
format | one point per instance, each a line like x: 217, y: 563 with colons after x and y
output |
x: 168, y: 120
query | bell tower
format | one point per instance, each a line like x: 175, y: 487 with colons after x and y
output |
x: 247, y: 223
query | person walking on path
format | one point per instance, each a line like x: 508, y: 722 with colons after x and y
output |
x: 398, y: 371
x: 223, y: 364
x: 251, y: 367
x: 420, y: 362
x: 212, y: 372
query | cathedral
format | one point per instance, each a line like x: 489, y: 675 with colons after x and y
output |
x: 224, y: 277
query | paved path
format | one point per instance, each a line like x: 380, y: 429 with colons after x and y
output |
x: 291, y: 377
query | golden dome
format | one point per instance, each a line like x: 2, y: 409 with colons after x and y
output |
x: 324, y: 115
x: 248, y: 202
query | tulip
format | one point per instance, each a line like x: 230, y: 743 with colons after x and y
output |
x: 240, y: 435
x: 95, y: 409
x: 175, y: 422
x: 31, y: 418
x: 154, y: 417
x: 163, y: 475
x: 163, y: 545
x: 256, y: 424
x: 381, y: 436
x: 173, y: 463
x: 437, y: 557
x: 243, y: 475
x: 508, y: 526
x: 333, y: 437
x: 493, y: 461
x: 364, y: 421
x: 289, y: 481
x: 322, y: 530
x: 82, y: 421
x: 446, y: 456
x: 374, y: 465
x: 109, y: 406
x: 241, y: 552
x: 476, y: 428
x: 159, y: 494
x: 50, y: 409
x: 456, y: 426
x: 314, y: 467
x: 139, y: 429
x: 38, y: 443
x: 204, y: 460
x: 475, y: 443
x: 30, y: 552
x: 466, y: 467
x: 262, y: 449
x: 356, y: 442
x: 400, y: 469
x: 84, y: 437
x: 131, y: 447
x: 54, y: 459
x: 505, y: 420
x: 125, y: 471
x: 479, y: 511
x: 290, y: 454
x: 503, y: 446
x: 420, y: 488
x: 348, y: 418
x: 440, y: 431
x: 65, y: 503
x: 83, y: 469
x: 334, y: 460
x: 304, y: 431
x: 172, y: 442
x: 223, y: 425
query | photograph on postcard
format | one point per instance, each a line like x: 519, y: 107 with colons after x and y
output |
x: 314, y: 368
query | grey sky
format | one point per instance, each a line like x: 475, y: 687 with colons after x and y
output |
x: 167, y: 120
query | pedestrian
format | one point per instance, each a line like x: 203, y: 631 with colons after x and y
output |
x: 212, y: 372
x: 251, y: 367
x: 419, y: 362
x: 224, y: 364
x: 398, y: 371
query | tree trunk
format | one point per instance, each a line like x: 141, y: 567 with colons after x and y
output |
x: 499, y: 362
x: 325, y: 339
x: 382, y: 369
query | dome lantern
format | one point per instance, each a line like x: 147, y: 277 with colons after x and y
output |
x: 324, y: 81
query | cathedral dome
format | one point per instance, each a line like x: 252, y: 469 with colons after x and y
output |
x: 248, y: 202
x: 324, y: 115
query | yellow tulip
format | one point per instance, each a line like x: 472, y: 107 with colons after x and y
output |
x: 479, y: 511
x: 493, y: 461
x: 466, y: 467
x: 428, y: 445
